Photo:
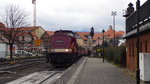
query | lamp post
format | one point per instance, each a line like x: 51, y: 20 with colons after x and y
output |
x: 103, y: 31
x: 114, y: 13
x: 91, y: 34
x: 137, y: 45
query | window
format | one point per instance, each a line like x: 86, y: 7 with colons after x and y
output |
x: 70, y: 34
x: 146, y: 46
x: 106, y: 36
x: 133, y: 49
x: 0, y: 32
x: 20, y: 38
x: 59, y: 41
x: 140, y: 46
x: 93, y: 41
x: 85, y: 42
x: 129, y: 49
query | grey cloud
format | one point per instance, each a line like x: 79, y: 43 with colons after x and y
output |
x: 77, y: 15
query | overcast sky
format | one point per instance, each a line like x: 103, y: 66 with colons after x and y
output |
x: 76, y: 15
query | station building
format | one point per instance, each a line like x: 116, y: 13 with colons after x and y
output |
x: 131, y: 33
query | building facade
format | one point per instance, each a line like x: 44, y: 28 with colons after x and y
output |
x: 98, y: 37
x: 46, y: 39
x: 131, y: 33
x: 24, y: 37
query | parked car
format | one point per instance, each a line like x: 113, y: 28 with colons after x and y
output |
x: 23, y: 52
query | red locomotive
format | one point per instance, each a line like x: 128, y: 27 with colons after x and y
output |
x: 64, y: 47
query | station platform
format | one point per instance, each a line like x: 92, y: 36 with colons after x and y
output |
x: 94, y: 71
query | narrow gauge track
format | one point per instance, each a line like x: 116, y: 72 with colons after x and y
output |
x: 26, y: 63
x: 42, y: 77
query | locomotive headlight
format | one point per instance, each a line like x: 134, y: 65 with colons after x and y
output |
x: 61, y: 50
x: 67, y: 50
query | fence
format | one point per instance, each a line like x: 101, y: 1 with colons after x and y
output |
x: 144, y: 17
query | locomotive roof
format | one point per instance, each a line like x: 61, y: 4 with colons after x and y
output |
x: 65, y: 31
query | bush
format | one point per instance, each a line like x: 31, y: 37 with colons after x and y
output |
x: 116, y: 55
x: 2, y: 59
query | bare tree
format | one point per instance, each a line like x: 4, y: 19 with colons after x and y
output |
x: 14, y: 17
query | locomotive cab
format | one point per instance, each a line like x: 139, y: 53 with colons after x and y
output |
x: 63, y: 47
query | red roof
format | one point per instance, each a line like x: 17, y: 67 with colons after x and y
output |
x: 29, y: 28
x: 50, y: 33
x: 82, y: 34
x: 109, y: 32
x: 21, y: 28
x: 97, y: 35
x: 2, y: 25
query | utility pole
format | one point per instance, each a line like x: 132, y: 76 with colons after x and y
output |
x: 34, y: 12
x: 114, y: 13
x: 137, y: 45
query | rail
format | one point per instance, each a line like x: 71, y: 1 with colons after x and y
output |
x: 26, y: 63
x: 42, y: 77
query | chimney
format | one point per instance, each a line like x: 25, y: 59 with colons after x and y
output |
x: 110, y: 27
x: 130, y: 9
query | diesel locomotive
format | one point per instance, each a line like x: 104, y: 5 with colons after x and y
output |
x: 64, y: 48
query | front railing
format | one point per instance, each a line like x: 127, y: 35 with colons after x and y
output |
x: 144, y: 17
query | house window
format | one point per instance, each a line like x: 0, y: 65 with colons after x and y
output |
x: 129, y: 49
x: 1, y: 32
x: 133, y: 49
x: 85, y: 42
x: 146, y: 46
x: 140, y: 46
x: 23, y: 38
x: 94, y: 42
x: 20, y: 38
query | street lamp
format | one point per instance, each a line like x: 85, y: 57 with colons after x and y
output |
x: 137, y: 70
x: 114, y: 13
x: 92, y: 32
x: 103, y: 31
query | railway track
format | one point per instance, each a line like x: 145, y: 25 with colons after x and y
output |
x: 42, y: 77
x: 2, y: 64
x: 26, y: 63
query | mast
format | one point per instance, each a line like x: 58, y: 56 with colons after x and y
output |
x: 34, y: 12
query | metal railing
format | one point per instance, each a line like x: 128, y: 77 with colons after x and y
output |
x: 144, y: 17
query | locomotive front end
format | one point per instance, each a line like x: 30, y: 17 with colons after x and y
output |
x: 63, y: 48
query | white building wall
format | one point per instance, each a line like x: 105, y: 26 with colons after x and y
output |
x: 144, y: 59
x: 2, y: 50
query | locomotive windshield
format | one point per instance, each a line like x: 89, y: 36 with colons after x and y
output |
x: 59, y: 41
x: 70, y: 34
